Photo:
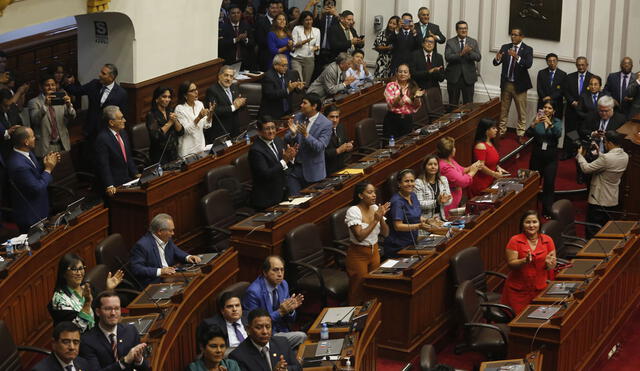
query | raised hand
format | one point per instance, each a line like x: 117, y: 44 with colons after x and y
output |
x: 114, y: 280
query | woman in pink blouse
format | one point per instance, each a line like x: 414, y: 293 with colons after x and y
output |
x: 459, y: 177
x: 404, y: 97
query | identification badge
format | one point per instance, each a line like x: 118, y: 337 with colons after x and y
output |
x: 544, y: 146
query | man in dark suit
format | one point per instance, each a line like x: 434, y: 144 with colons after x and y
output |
x: 9, y: 120
x: 342, y: 36
x: 231, y: 320
x: 261, y: 351
x: 602, y: 120
x: 549, y: 84
x: 461, y: 53
x: 29, y: 197
x: 574, y: 85
x: 228, y: 105
x: 111, y: 346
x: 64, y: 350
x: 327, y: 19
x: 112, y: 150
x: 269, y: 166
x: 270, y: 292
x: 516, y: 59
x: 155, y: 254
x: 278, y: 84
x: 425, y: 28
x: 427, y: 66
x: 101, y: 92
x: 263, y: 26
x: 589, y: 99
x: 237, y: 42
x: 618, y: 82
x: 404, y: 42
x: 338, y: 151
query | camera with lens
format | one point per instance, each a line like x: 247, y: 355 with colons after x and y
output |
x: 57, y: 99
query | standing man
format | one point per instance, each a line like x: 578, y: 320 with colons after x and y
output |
x: 311, y: 131
x: 425, y: 28
x: 231, y: 320
x: 278, y: 85
x: 269, y: 162
x: 263, y: 26
x: 64, y: 350
x: 327, y: 19
x: 343, y: 37
x: 427, y: 66
x: 574, y: 85
x: 550, y: 81
x: 617, y: 84
x: 29, y: 196
x: 237, y: 42
x: 334, y: 79
x: 338, y: 151
x: 228, y: 104
x: 516, y: 59
x: 461, y: 53
x: 404, y: 42
x: 633, y: 96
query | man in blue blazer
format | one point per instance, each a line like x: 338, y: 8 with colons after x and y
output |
x: 311, y: 131
x: 154, y: 254
x: 618, y: 84
x: 516, y: 59
x: 29, y: 197
x: 114, y: 161
x: 64, y: 350
x: 98, y: 344
x: 271, y: 293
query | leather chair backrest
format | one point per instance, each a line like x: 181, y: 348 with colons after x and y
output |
x: 378, y: 111
x: 140, y: 137
x: 468, y: 303
x: 213, y: 176
x: 303, y: 244
x: 339, y: 229
x: 217, y: 206
x: 109, y: 250
x: 563, y: 211
x: 243, y: 169
x: 253, y: 92
x: 366, y: 133
x: 9, y: 357
x: 422, y: 115
x: 64, y: 172
x: 238, y: 289
x: 97, y: 277
x: 468, y: 265
x: 391, y: 186
x: 433, y: 100
x: 553, y: 228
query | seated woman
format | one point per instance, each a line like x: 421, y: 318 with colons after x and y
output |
x: 164, y: 127
x: 365, y: 220
x: 404, y: 98
x: 458, y: 177
x: 193, y: 117
x: 213, y: 344
x: 531, y: 256
x: 433, y: 192
x: 72, y: 300
x: 486, y: 152
x: 405, y: 215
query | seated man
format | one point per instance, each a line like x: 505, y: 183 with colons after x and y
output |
x: 261, y: 351
x: 333, y: 79
x: 64, y: 350
x: 98, y: 344
x: 154, y: 254
x: 231, y: 320
x: 271, y: 293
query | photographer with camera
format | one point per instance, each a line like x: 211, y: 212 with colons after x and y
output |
x: 50, y: 113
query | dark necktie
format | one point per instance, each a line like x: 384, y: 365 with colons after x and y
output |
x: 54, y: 135
x: 236, y: 328
x: 406, y: 33
x: 285, y: 101
x: 121, y: 143
x: 461, y: 45
x: 114, y: 346
x: 623, y: 87
x: 336, y: 137
x: 68, y: 368
x: 595, y: 100
x: 429, y: 60
x: 551, y: 74
x: 276, y: 304
x: 512, y: 65
x: 265, y: 355
x: 236, y: 30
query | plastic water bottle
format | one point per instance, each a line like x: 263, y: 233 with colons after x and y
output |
x: 324, y: 331
x: 9, y: 249
x: 247, y: 139
x: 392, y: 142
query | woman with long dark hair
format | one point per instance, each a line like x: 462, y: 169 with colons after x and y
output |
x: 279, y: 39
x: 194, y: 118
x: 459, y: 177
x: 485, y: 151
x: 163, y: 126
x: 306, y: 40
x: 433, y: 191
x: 404, y: 98
x: 384, y: 47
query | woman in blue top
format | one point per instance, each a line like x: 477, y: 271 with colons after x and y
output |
x: 213, y: 344
x: 545, y: 130
x: 279, y: 39
x: 405, y: 215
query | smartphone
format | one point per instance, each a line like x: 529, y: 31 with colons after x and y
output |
x: 406, y: 21
x: 58, y: 98
x: 361, y: 37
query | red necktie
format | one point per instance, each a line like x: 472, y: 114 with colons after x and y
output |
x: 54, y: 124
x: 114, y: 346
x: 124, y: 153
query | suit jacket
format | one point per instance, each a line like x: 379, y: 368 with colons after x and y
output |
x: 30, y: 201
x: 230, y: 120
x: 96, y: 348
x: 257, y: 296
x: 219, y: 321
x: 273, y: 94
x: 403, y: 46
x: 245, y: 49
x: 145, y: 258
x: 41, y: 124
x: 117, y: 97
x: 338, y: 40
x: 321, y: 24
x: 592, y: 123
x: 113, y: 169
x: 51, y: 364
x: 262, y: 28
x: 435, y: 29
x: 269, y: 177
x: 607, y: 170
x: 461, y: 67
x: 586, y: 106
x: 7, y: 120
x: 633, y: 91
x: 329, y: 83
x: 545, y: 88
x: 334, y: 161
x: 420, y: 70
x: 250, y: 359
x: 612, y: 88
x: 311, y: 150
x: 521, y: 70
x: 571, y: 93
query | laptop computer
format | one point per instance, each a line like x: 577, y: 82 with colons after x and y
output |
x: 206, y: 258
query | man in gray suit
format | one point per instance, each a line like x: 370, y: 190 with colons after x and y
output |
x: 310, y: 131
x: 607, y: 170
x: 49, y: 116
x: 461, y: 53
x: 333, y: 79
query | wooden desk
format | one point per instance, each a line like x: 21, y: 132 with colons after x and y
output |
x: 546, y: 298
x: 577, y: 339
x: 599, y: 248
x: 31, y: 279
x: 581, y: 269
x: 425, y: 296
x: 357, y: 106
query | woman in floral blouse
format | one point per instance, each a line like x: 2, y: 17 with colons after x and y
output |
x: 404, y: 98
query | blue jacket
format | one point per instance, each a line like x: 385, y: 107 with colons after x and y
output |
x: 145, y: 258
x: 521, y: 71
x: 311, y: 151
x: 30, y: 201
x: 257, y: 296
x: 96, y: 348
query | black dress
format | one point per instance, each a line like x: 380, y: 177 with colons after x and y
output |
x: 158, y: 139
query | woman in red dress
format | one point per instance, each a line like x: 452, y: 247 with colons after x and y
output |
x: 531, y: 256
x: 485, y: 152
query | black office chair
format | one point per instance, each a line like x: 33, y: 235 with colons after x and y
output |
x: 367, y: 139
x: 114, y: 253
x: 9, y: 356
x: 97, y: 278
x: 253, y: 92
x: 429, y: 359
x: 564, y: 249
x: 564, y: 212
x: 140, y: 144
x: 238, y: 289
x: 228, y: 177
x: 219, y: 213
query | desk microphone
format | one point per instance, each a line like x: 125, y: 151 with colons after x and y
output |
x: 164, y: 149
x: 413, y: 239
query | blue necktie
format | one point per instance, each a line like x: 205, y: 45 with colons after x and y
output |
x: 276, y: 303
x: 236, y: 328
x: 580, y: 84
x: 595, y: 100
x: 551, y: 78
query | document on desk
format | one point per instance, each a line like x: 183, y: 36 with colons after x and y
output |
x: 131, y: 183
x: 335, y: 315
x: 296, y: 201
x: 389, y: 263
x: 351, y: 171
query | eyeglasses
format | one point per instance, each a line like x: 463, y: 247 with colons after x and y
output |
x: 76, y: 269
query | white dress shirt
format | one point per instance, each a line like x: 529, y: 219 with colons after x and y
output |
x: 25, y: 154
x: 269, y: 145
x: 233, y: 339
x: 106, y: 91
x: 160, y: 246
x: 193, y: 139
x: 306, y: 50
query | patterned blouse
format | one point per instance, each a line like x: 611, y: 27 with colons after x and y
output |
x: 62, y: 301
x: 405, y: 106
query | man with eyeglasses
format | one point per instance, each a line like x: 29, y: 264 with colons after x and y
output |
x: 112, y: 345
x: 461, y: 53
x: 64, y: 350
x: 278, y: 85
x: 601, y: 121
